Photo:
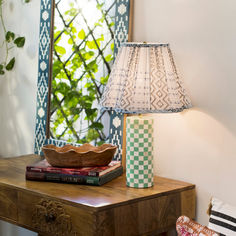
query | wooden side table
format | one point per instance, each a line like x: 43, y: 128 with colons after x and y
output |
x: 112, y: 209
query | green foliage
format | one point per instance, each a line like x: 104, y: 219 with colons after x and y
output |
x: 19, y: 42
x: 1, y: 70
x: 103, y: 80
x: 81, y: 34
x: 99, y: 6
x: 9, y: 43
x: 109, y: 57
x: 59, y: 49
x: 9, y: 36
x: 80, y: 71
x: 96, y: 125
x: 91, y: 45
x: 10, y: 64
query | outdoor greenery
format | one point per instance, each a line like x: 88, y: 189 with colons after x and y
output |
x: 10, y: 41
x: 82, y: 58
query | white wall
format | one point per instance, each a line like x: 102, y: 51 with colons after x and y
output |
x: 18, y: 89
x: 198, y: 145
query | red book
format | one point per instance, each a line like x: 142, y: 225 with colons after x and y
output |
x: 44, y: 167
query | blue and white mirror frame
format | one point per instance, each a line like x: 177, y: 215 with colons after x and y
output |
x: 122, y: 28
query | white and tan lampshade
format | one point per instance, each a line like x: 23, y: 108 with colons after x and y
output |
x: 144, y: 79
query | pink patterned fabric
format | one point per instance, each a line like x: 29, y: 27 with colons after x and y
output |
x: 187, y: 227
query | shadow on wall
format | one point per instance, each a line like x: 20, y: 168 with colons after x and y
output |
x: 17, y: 102
x: 18, y: 87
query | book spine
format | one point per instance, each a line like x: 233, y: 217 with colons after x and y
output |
x: 41, y: 169
x: 58, y: 171
x: 111, y: 175
x: 63, y: 178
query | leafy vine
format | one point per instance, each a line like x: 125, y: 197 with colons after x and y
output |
x: 10, y: 41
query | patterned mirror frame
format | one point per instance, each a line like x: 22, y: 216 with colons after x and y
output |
x: 122, y: 24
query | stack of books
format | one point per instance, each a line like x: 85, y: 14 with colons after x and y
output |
x: 43, y: 171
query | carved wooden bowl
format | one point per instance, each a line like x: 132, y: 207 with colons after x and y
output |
x: 85, y: 155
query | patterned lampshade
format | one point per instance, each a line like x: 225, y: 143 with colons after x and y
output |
x: 144, y: 79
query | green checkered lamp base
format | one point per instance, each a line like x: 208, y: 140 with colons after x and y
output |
x: 139, y: 152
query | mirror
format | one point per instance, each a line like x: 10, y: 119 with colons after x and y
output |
x: 83, y: 50
x: 78, y: 39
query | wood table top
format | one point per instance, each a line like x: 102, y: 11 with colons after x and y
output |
x: 94, y: 198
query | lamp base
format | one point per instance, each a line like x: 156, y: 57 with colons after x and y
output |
x: 139, y: 185
x: 139, y: 152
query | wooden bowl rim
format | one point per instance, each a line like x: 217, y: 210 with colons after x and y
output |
x: 96, y: 149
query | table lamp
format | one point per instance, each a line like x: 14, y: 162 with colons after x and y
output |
x: 143, y: 79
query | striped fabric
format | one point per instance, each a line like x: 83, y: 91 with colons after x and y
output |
x: 187, y: 227
x: 222, y: 218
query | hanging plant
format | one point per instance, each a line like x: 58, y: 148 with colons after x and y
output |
x: 10, y: 41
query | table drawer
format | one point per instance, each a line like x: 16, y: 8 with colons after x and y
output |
x: 51, y: 217
x: 8, y: 203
